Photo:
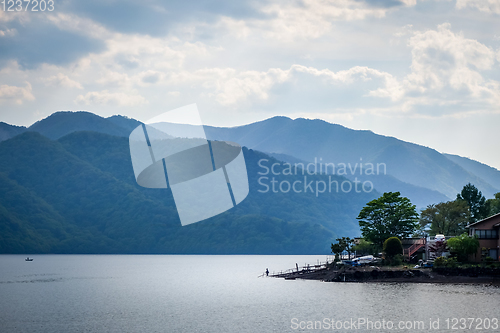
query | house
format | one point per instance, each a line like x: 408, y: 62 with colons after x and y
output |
x: 487, y: 231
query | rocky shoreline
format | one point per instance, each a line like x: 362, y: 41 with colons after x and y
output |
x: 372, y: 274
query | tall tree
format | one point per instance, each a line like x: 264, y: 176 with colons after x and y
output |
x: 476, y: 202
x: 388, y: 216
x: 447, y: 218
x: 343, y: 244
x: 337, y: 249
x: 493, y: 205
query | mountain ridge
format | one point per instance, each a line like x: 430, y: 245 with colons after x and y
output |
x: 417, y: 166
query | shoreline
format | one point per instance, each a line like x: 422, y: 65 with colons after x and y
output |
x: 389, y: 275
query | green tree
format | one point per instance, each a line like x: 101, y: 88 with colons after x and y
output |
x: 343, y: 244
x: 463, y: 246
x: 392, y: 247
x: 364, y: 247
x: 337, y: 249
x: 493, y: 205
x: 388, y: 216
x: 447, y: 218
x: 476, y: 202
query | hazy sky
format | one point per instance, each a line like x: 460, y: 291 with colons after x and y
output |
x: 423, y: 71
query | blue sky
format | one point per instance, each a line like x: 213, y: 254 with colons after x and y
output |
x: 423, y: 71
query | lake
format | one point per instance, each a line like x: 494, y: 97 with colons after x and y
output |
x: 195, y: 293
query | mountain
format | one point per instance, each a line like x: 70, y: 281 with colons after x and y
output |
x: 62, y: 123
x: 420, y: 173
x: 127, y: 123
x: 8, y: 131
x: 487, y: 173
x: 28, y: 223
x: 78, y: 195
x: 336, y: 211
x: 308, y: 140
x: 420, y: 196
x: 67, y: 186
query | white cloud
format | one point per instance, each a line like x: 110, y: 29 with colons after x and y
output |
x: 61, y: 80
x: 488, y: 6
x: 74, y: 23
x: 288, y: 20
x: 20, y: 16
x: 107, y: 98
x: 446, y: 69
x: 229, y: 86
x: 16, y: 94
x: 447, y: 72
x: 8, y: 32
x: 114, y: 79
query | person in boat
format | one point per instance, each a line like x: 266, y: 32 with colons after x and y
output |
x: 267, y: 272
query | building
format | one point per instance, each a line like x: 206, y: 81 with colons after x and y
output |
x: 487, y: 231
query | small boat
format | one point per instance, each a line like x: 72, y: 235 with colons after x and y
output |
x: 28, y: 259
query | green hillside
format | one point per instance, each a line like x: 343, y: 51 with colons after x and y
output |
x: 78, y: 195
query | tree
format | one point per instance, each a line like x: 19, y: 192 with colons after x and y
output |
x: 438, y: 248
x: 392, y: 247
x: 476, y: 202
x: 337, y: 249
x: 388, y: 216
x: 364, y: 247
x: 343, y: 244
x: 493, y: 205
x: 447, y: 218
x: 463, y: 246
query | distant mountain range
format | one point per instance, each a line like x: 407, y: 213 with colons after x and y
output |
x: 422, y: 167
x: 67, y: 186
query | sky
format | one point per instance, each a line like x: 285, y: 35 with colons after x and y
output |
x: 423, y: 71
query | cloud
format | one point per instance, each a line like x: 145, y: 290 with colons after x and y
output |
x: 15, y: 94
x: 79, y: 25
x: 287, y: 21
x: 61, y: 80
x: 39, y: 41
x: 107, y: 98
x: 150, y: 77
x: 159, y: 18
x: 448, y: 77
x: 488, y: 6
x: 114, y: 79
x: 313, y: 18
x: 21, y: 16
x: 173, y: 93
x: 447, y: 69
x: 229, y: 87
x: 8, y: 33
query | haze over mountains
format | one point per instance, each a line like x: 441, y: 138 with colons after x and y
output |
x: 70, y: 188
x: 407, y: 162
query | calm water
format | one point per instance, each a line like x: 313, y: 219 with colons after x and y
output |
x: 123, y: 293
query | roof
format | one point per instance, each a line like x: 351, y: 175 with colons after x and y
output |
x: 483, y: 220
